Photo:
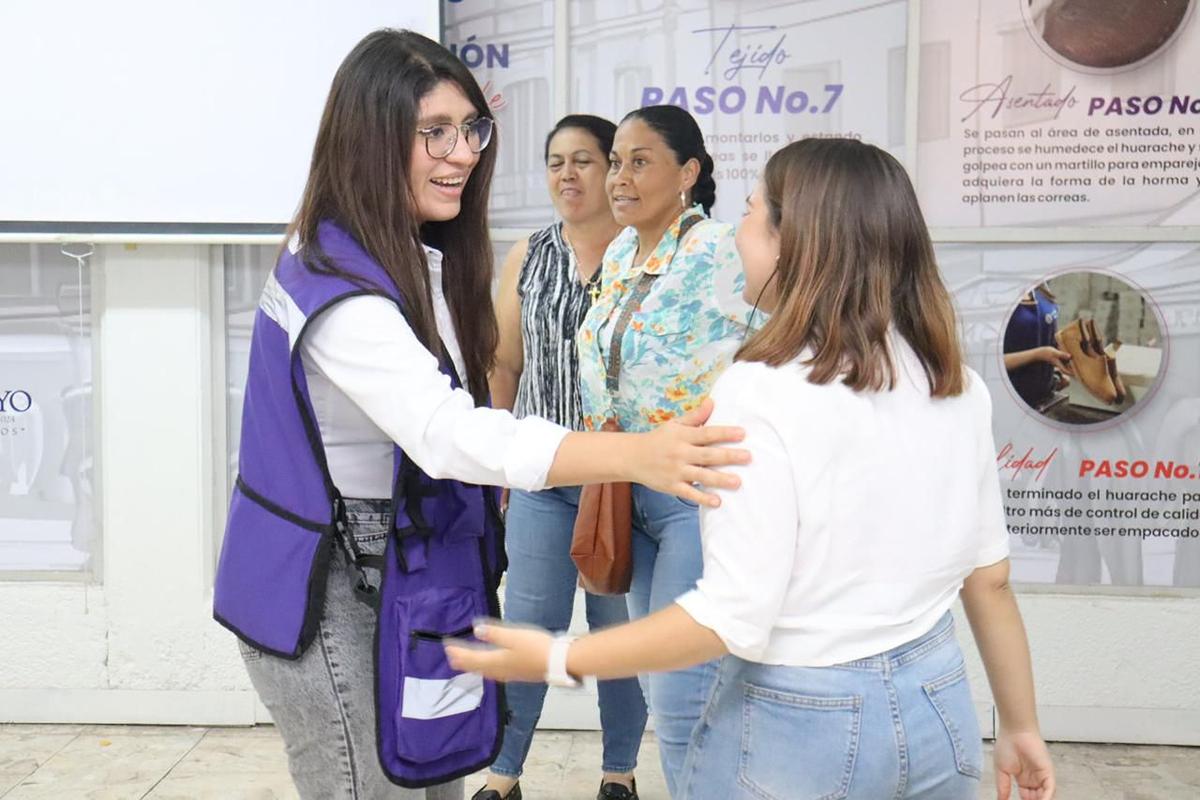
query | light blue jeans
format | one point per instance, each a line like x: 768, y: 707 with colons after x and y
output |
x: 894, y: 726
x: 540, y: 590
x: 667, y: 562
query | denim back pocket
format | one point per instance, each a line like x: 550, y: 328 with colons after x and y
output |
x: 950, y: 696
x: 798, y: 747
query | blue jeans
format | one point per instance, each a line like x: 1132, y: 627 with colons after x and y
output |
x: 667, y: 562
x: 898, y: 725
x: 540, y: 590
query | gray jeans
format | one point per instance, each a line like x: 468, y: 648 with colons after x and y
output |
x: 324, y: 703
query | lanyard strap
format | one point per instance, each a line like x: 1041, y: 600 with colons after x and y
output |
x: 612, y: 377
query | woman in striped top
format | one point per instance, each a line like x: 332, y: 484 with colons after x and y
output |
x: 546, y: 289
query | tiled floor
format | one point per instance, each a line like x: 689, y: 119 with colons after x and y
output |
x: 65, y: 762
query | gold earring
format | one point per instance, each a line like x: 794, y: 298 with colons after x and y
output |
x: 682, y: 198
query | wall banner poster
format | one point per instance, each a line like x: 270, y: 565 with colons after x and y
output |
x: 48, y: 465
x: 1090, y: 354
x: 509, y: 47
x: 1032, y: 114
x: 1059, y: 112
x: 756, y: 74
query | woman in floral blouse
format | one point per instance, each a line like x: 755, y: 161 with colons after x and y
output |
x: 667, y: 321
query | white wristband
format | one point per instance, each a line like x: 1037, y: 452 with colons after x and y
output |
x: 556, y: 664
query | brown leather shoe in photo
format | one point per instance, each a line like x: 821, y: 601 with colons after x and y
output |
x: 1072, y: 339
x: 1087, y: 361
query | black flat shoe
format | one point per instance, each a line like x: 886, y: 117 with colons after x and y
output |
x: 491, y: 794
x: 616, y: 791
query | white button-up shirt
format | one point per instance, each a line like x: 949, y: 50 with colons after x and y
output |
x: 373, y: 383
x: 858, y: 518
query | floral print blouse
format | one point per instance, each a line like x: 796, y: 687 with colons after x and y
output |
x: 682, y: 336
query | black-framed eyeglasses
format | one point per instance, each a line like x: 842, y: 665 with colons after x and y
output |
x: 441, y: 139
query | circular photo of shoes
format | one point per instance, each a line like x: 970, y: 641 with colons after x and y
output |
x: 1083, y: 348
x: 1105, y: 35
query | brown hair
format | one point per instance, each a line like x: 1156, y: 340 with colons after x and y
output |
x: 855, y: 259
x: 358, y: 179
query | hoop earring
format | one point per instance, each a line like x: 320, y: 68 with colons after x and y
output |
x: 682, y: 199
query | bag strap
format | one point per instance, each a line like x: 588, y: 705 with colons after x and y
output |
x: 364, y: 591
x: 612, y: 377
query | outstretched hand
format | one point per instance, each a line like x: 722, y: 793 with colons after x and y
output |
x: 509, y: 652
x: 677, y: 455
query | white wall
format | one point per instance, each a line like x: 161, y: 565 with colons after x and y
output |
x: 141, y: 647
x: 1112, y: 667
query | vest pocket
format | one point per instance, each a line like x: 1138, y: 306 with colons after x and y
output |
x: 430, y: 508
x: 439, y: 709
x: 270, y: 586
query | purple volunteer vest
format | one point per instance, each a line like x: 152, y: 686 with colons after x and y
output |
x: 443, y: 560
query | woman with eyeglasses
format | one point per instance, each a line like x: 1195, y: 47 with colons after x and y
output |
x: 369, y: 376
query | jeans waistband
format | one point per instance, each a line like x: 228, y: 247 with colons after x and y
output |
x: 910, y: 651
x: 360, y: 511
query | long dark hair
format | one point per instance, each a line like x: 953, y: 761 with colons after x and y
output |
x: 679, y: 130
x: 358, y: 179
x: 855, y: 258
x: 601, y: 129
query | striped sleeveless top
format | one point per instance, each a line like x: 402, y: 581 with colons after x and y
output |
x: 553, y: 305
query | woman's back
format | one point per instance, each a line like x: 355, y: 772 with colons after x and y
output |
x: 871, y: 503
x: 858, y: 519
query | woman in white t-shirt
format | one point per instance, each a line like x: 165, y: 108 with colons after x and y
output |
x: 872, y: 502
